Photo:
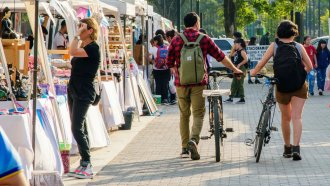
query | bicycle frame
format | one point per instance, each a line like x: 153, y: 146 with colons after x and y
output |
x: 212, y: 101
x: 268, y: 104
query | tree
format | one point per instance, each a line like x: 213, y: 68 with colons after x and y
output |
x: 229, y: 7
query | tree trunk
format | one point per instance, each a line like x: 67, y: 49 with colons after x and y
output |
x: 230, y: 17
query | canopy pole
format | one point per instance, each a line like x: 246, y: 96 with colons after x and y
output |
x: 35, y: 75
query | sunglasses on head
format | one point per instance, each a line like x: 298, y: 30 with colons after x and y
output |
x: 79, y: 25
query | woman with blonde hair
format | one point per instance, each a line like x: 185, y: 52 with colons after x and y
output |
x: 81, y: 89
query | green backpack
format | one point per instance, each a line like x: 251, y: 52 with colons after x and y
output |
x: 192, y: 69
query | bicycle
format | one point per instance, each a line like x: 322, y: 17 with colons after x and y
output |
x: 265, y: 124
x: 214, y: 96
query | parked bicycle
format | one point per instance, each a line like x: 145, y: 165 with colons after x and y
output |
x: 214, y: 97
x: 265, y: 124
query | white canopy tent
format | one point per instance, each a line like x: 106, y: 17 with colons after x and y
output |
x: 123, y: 7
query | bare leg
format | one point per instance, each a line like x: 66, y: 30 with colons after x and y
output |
x: 297, y: 109
x: 285, y: 122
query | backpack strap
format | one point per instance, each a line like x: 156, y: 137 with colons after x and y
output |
x: 298, y: 47
x: 200, y: 37
x: 184, y: 38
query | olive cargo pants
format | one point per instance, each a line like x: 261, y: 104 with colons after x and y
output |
x: 191, y: 97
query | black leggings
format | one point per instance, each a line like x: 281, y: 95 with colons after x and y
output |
x: 78, y: 112
x: 162, y: 78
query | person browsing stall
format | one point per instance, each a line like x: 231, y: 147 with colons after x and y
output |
x: 81, y: 89
x: 60, y: 40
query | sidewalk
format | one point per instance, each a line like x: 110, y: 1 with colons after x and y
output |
x: 152, y: 158
x: 118, y: 141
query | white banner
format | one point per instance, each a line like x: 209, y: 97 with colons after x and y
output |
x: 255, y: 53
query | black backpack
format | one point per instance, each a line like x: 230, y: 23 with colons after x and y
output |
x: 288, y: 66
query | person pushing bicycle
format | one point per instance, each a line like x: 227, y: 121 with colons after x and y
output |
x: 187, y: 60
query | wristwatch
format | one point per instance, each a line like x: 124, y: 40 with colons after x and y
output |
x: 77, y: 38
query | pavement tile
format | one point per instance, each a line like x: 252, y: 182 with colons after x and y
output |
x: 152, y: 158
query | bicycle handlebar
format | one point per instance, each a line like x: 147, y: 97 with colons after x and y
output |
x: 215, y: 73
x: 273, y: 80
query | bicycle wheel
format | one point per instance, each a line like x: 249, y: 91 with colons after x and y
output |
x: 264, y: 119
x: 216, y: 128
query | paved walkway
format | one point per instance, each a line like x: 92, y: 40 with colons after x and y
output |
x: 152, y: 158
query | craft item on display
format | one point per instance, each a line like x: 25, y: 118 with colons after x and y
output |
x: 8, y: 79
x: 4, y: 92
x: 7, y: 31
x: 111, y: 109
x: 82, y: 12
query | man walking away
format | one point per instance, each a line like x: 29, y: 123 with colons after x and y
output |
x: 191, y: 79
x: 264, y: 39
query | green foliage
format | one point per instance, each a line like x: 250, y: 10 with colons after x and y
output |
x: 245, y: 14
x: 324, y: 23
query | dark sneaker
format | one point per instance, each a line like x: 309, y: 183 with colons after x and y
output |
x: 311, y: 93
x: 173, y: 102
x: 287, y: 151
x: 192, y: 146
x: 165, y: 102
x: 320, y: 92
x: 184, y: 153
x: 241, y: 101
x: 296, y: 153
x: 229, y: 100
x: 257, y: 82
x: 250, y: 81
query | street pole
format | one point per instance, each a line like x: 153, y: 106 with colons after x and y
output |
x: 197, y: 7
x: 291, y: 12
x: 191, y: 5
x: 178, y: 5
x: 314, y: 19
x: 164, y: 8
x: 319, y: 6
x: 310, y: 16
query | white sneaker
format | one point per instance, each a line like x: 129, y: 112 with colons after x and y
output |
x: 86, y: 172
x: 75, y: 172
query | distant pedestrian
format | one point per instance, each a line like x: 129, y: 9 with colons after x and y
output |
x: 252, y: 64
x: 191, y: 83
x: 291, y: 63
x: 240, y: 61
x: 265, y: 39
x: 323, y: 57
x: 169, y: 37
x: 311, y: 52
x: 162, y: 33
x: 160, y: 71
x: 237, y: 35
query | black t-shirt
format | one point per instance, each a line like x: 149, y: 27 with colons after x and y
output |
x: 86, y: 67
x: 83, y: 72
x: 238, y: 58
